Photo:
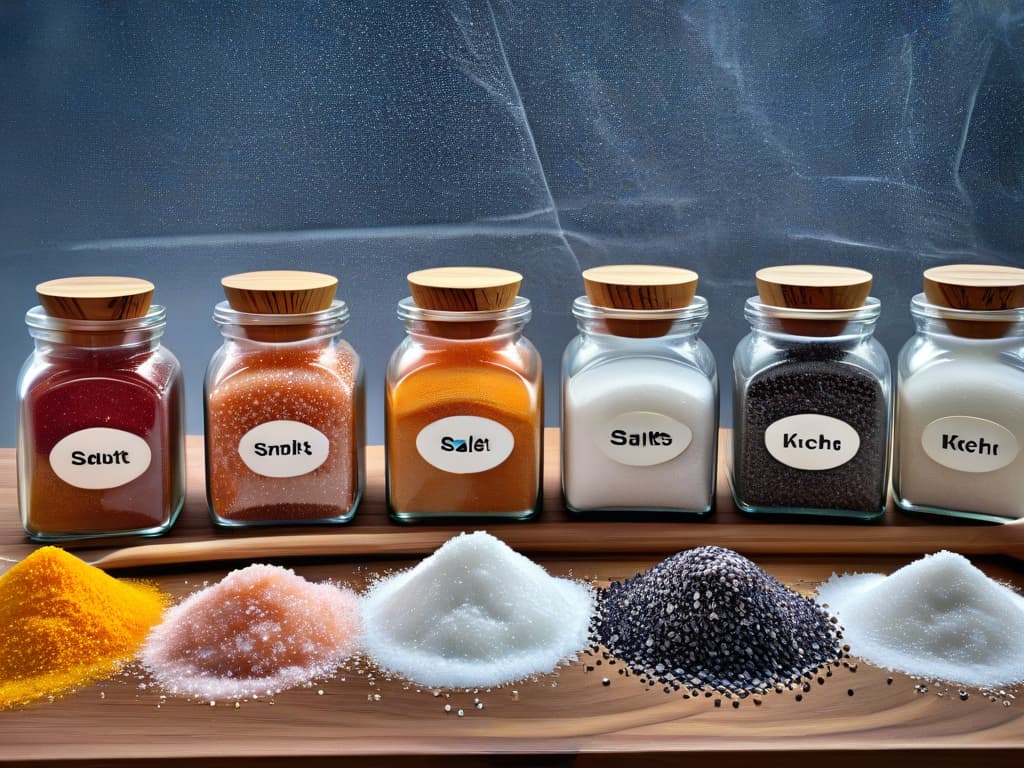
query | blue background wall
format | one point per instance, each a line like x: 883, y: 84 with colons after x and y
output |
x: 184, y: 141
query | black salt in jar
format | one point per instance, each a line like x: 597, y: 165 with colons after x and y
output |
x: 812, y: 411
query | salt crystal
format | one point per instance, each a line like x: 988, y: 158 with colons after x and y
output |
x: 939, y: 617
x: 260, y: 630
x: 475, y: 613
x: 714, y: 649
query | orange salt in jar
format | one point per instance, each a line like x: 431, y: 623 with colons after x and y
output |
x: 284, y: 404
x: 464, y: 400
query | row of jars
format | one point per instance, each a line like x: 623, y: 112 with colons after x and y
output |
x: 101, y: 428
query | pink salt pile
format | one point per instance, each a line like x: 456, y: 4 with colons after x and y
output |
x: 259, y: 631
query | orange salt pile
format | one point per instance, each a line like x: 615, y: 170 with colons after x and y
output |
x: 65, y: 624
x: 259, y: 631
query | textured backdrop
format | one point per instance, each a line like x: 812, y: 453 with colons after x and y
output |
x: 183, y: 141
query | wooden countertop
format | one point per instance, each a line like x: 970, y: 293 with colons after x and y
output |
x: 569, y: 718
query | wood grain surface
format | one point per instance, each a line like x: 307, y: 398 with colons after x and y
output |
x: 640, y: 286
x: 813, y: 286
x: 568, y: 718
x: 464, y: 289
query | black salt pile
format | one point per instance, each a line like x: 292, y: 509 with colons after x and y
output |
x: 709, y: 619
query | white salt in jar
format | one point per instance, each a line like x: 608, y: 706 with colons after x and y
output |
x: 639, y: 396
x: 959, y: 445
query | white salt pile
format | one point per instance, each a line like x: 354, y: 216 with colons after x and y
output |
x: 475, y: 613
x: 939, y: 617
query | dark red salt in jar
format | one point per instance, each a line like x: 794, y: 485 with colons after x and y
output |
x: 100, y: 438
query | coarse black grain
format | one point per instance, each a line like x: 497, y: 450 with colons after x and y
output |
x: 813, y: 379
x: 714, y: 621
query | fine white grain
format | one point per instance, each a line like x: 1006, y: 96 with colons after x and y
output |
x: 939, y: 617
x: 475, y: 613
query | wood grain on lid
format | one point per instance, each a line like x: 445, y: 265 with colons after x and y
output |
x: 280, y: 292
x: 813, y: 286
x: 640, y: 286
x: 96, y: 298
x: 977, y: 287
x: 464, y: 289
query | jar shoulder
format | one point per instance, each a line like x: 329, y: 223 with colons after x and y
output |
x: 953, y: 356
x: 157, y: 368
x: 335, y: 360
x: 518, y: 359
x: 756, y: 353
x: 586, y: 352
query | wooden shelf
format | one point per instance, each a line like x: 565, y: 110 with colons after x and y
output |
x: 563, y: 719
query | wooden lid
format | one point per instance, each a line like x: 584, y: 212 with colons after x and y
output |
x: 96, y: 298
x: 280, y: 292
x: 977, y: 287
x: 813, y: 286
x: 640, y: 286
x: 464, y: 289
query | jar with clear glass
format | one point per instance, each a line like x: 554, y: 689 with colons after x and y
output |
x: 639, y: 397
x: 284, y: 397
x: 464, y: 400
x: 959, y: 439
x: 811, y: 397
x: 101, y: 414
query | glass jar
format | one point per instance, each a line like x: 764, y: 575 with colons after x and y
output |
x: 959, y: 444
x: 811, y: 405
x: 639, y: 412
x: 285, y: 427
x: 465, y: 413
x: 100, y: 428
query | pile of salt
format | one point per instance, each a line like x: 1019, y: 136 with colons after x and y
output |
x: 475, y: 613
x: 259, y: 631
x: 939, y: 617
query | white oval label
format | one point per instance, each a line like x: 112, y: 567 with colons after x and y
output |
x: 812, y: 441
x: 463, y: 445
x: 283, y: 448
x: 968, y: 444
x: 100, y: 457
x: 643, y: 438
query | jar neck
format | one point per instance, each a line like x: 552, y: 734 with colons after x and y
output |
x: 836, y: 326
x: 670, y: 324
x: 75, y: 337
x: 991, y: 328
x: 312, y: 328
x: 497, y: 326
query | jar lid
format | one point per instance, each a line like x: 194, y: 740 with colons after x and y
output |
x: 978, y: 287
x: 464, y: 289
x: 813, y: 286
x: 96, y: 298
x: 280, y: 292
x: 640, y: 286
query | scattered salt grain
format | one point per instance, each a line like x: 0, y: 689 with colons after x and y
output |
x: 260, y: 630
x: 710, y: 619
x: 475, y: 613
x: 939, y: 617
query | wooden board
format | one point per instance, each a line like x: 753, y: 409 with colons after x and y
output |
x: 568, y: 718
